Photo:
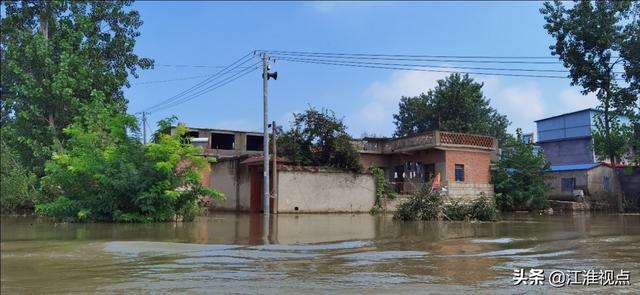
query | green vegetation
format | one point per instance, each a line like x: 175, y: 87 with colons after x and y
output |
x: 595, y: 39
x: 105, y: 174
x: 519, y: 180
x: 384, y: 191
x: 318, y: 138
x: 427, y: 204
x: 457, y: 104
x: 19, y: 185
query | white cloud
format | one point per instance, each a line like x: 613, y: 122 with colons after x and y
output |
x: 522, y: 103
x: 376, y: 115
x: 574, y: 100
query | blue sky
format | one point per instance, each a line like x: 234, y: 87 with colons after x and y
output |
x: 217, y: 33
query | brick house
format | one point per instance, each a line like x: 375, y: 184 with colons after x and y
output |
x: 463, y: 161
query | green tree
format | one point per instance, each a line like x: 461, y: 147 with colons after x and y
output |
x: 457, y: 104
x: 519, y: 180
x: 19, y: 185
x: 106, y: 174
x: 594, y: 39
x: 318, y: 138
x: 57, y: 57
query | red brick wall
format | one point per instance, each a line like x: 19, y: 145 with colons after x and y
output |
x: 476, y: 166
x: 368, y: 160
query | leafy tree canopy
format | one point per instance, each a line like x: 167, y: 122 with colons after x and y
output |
x: 318, y: 138
x: 106, y: 174
x: 457, y: 104
x: 519, y: 180
x: 58, y: 57
x: 596, y: 40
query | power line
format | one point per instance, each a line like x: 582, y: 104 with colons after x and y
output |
x: 424, y: 70
x: 188, y: 66
x: 420, y: 65
x: 176, y: 79
x: 212, y: 78
x: 402, y: 55
x: 208, y: 89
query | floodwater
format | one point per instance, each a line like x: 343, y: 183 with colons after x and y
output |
x: 317, y: 253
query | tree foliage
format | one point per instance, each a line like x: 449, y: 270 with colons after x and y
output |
x: 384, y: 190
x: 519, y: 180
x: 58, y: 57
x: 106, y: 174
x: 457, y: 104
x: 19, y: 187
x: 318, y: 138
x: 595, y: 39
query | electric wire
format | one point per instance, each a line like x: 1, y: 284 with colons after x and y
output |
x: 244, y: 59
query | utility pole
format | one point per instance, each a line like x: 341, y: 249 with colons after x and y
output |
x: 265, y: 145
x: 144, y: 127
x: 274, y: 191
x: 265, y: 137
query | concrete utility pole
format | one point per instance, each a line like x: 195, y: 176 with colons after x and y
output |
x: 265, y: 138
x: 274, y: 191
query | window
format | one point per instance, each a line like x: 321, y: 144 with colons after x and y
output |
x: 568, y: 184
x: 606, y: 184
x: 459, y: 172
x: 222, y: 141
x: 254, y: 143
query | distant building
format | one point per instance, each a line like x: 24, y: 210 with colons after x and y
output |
x: 567, y: 143
x: 566, y: 139
x: 463, y: 161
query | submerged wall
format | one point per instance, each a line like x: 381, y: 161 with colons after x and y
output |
x: 324, y: 191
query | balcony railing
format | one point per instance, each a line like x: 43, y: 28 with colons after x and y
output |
x: 425, y: 140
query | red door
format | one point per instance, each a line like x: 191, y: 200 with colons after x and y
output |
x: 256, y: 190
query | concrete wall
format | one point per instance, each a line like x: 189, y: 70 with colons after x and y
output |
x: 590, y: 182
x: 630, y: 184
x: 570, y: 151
x: 324, y: 191
x: 554, y: 179
x: 465, y: 192
x: 232, y: 179
x: 595, y: 186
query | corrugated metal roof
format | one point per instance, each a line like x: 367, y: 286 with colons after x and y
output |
x: 571, y: 113
x: 574, y: 167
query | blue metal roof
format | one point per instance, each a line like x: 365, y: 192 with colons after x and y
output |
x: 574, y: 167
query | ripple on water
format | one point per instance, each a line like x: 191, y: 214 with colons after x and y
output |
x: 135, y: 248
x: 494, y: 241
x: 314, y: 247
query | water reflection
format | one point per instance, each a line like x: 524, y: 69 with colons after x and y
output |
x: 309, y: 253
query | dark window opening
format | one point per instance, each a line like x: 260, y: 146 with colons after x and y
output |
x: 254, y: 143
x: 606, y: 184
x: 459, y: 172
x: 222, y: 141
x: 191, y: 134
x: 568, y: 184
x: 429, y: 172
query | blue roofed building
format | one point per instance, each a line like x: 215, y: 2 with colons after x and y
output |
x: 566, y: 139
x: 566, y: 142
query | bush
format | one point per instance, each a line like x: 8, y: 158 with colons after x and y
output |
x: 383, y: 189
x: 106, y: 174
x: 318, y: 138
x: 519, y: 180
x: 424, y: 204
x: 428, y: 205
x: 19, y: 185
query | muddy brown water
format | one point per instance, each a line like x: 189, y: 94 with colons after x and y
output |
x: 319, y: 253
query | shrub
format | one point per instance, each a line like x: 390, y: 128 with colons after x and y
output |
x: 106, y: 174
x: 383, y: 189
x: 519, y: 180
x: 427, y: 204
x: 19, y: 185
